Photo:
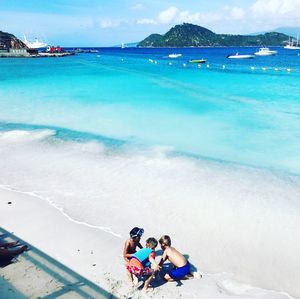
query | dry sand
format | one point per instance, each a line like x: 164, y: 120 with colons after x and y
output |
x: 95, y: 255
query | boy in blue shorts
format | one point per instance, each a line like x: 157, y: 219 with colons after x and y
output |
x: 181, y: 269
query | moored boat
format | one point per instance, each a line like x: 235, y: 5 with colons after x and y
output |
x: 240, y: 56
x: 174, y: 55
x: 198, y: 60
x: 36, y: 44
x: 293, y: 44
x: 265, y: 52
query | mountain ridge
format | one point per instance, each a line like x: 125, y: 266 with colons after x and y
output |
x: 190, y: 35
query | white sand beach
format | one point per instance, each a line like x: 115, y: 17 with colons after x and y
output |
x: 167, y: 134
x: 96, y: 254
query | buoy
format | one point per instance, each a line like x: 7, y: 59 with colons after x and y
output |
x: 223, y: 66
x: 252, y: 68
x: 289, y: 70
x: 155, y: 62
x: 207, y: 66
x: 170, y: 63
x: 263, y: 68
x: 199, y: 66
x: 122, y: 59
x: 184, y: 65
x: 276, y: 69
x: 151, y: 60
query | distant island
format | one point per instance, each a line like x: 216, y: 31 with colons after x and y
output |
x: 9, y: 41
x: 189, y: 35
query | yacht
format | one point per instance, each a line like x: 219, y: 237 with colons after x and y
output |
x: 36, y: 44
x: 174, y: 55
x: 265, y: 52
x: 240, y: 56
x: 291, y: 45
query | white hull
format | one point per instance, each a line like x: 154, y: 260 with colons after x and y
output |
x: 289, y: 47
x: 293, y: 44
x: 265, y: 52
x: 174, y: 55
x: 240, y: 56
x: 34, y: 45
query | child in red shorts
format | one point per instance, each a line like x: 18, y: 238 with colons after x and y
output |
x: 140, y: 263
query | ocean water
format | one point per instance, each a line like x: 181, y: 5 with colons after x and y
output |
x: 215, y: 146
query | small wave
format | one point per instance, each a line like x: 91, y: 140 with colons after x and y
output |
x: 61, y: 210
x: 26, y: 135
x: 241, y: 290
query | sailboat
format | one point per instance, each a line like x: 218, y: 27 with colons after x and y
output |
x: 291, y: 46
x: 36, y: 44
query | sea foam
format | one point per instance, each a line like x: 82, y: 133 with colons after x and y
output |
x: 227, y: 217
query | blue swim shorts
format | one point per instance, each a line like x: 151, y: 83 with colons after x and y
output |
x: 179, y: 273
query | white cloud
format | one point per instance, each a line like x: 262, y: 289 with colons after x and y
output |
x: 237, y: 13
x: 108, y: 23
x: 168, y: 16
x: 261, y: 15
x: 276, y: 7
x: 147, y: 22
x: 276, y: 12
x: 173, y: 15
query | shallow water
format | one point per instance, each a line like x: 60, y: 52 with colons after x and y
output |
x: 237, y: 115
x: 98, y: 134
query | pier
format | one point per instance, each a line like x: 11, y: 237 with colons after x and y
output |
x: 32, y: 53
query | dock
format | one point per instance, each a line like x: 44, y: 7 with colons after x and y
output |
x: 34, y: 274
x: 29, y: 53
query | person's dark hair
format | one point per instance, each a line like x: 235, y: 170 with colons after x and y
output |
x: 152, y: 242
x: 165, y: 240
x: 136, y: 232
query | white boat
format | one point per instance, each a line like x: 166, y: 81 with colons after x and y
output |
x: 240, y: 56
x: 36, y: 44
x: 123, y: 46
x: 291, y: 45
x: 265, y: 52
x: 174, y: 55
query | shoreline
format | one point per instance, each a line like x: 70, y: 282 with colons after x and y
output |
x: 97, y: 255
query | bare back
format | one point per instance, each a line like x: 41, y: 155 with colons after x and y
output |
x: 130, y: 248
x: 175, y: 257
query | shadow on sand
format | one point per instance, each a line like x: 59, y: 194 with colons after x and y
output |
x: 59, y: 280
x: 158, y: 278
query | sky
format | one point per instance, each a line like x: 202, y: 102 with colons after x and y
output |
x: 111, y: 22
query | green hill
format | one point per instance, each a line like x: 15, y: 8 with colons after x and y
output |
x: 189, y: 35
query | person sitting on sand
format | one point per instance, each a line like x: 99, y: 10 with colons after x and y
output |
x: 141, y: 262
x: 8, y: 244
x: 181, y: 266
x: 9, y: 250
x: 131, y: 244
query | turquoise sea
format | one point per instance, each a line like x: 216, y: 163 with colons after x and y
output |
x: 133, y: 130
x: 234, y: 114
